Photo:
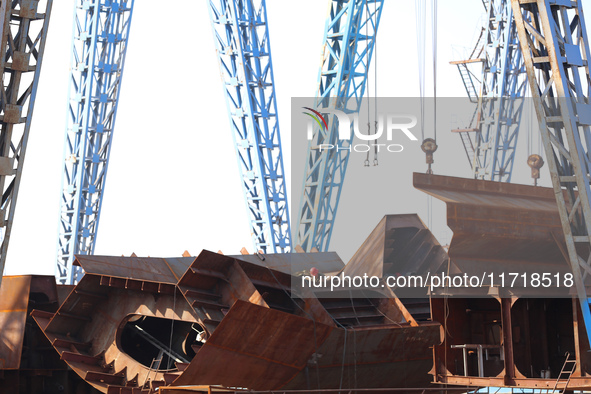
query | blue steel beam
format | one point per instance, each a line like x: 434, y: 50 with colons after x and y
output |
x: 23, y: 24
x: 349, y: 40
x: 99, y: 43
x: 244, y: 55
x: 555, y: 47
x: 501, y: 101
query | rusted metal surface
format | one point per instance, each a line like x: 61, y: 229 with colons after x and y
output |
x: 214, y: 389
x: 63, y: 291
x: 256, y: 334
x: 290, y: 263
x: 255, y: 347
x: 33, y: 365
x: 524, y: 383
x: 505, y: 228
x: 498, y: 227
x: 162, y: 270
x: 14, y: 300
x: 532, y: 334
x: 401, y: 245
x: 372, y: 357
x: 212, y: 284
x: 398, y: 244
x: 86, y: 330
x: 18, y: 294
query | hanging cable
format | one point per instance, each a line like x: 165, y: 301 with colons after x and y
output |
x: 354, y: 358
x: 446, y: 333
x: 367, y: 20
x: 420, y: 26
x: 429, y: 145
x: 366, y: 162
x: 529, y: 127
x: 434, y: 43
x: 430, y: 212
x: 375, y: 77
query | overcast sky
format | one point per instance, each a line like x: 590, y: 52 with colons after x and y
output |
x: 173, y: 182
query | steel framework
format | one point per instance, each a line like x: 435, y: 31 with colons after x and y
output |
x: 491, y: 137
x: 501, y: 101
x: 244, y: 55
x: 23, y: 24
x: 99, y: 43
x: 349, y: 41
x: 553, y: 39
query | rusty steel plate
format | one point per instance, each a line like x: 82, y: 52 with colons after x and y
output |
x: 499, y: 227
x: 290, y: 263
x: 262, y: 348
x: 14, y: 299
x: 154, y: 269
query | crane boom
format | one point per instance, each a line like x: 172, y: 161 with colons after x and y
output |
x: 349, y: 40
x: 244, y: 56
x: 24, y: 25
x: 553, y: 39
x: 99, y: 43
x: 501, y: 101
x: 491, y: 137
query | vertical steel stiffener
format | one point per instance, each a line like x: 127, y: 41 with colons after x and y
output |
x: 502, y: 91
x: 23, y: 24
x: 554, y: 42
x: 99, y: 43
x: 349, y: 40
x: 242, y: 44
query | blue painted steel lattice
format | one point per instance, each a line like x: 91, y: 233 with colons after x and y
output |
x: 99, y: 44
x: 491, y: 137
x: 501, y: 101
x: 349, y: 40
x: 244, y: 54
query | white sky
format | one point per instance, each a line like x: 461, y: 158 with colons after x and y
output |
x: 173, y: 182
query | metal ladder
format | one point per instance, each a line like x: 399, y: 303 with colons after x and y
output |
x: 468, y: 146
x: 154, y: 366
x: 565, y: 371
x: 468, y: 82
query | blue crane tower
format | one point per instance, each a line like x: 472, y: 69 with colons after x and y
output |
x: 555, y: 47
x: 491, y: 138
x: 349, y: 40
x: 244, y: 55
x: 99, y: 43
x: 24, y: 26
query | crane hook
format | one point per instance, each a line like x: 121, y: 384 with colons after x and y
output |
x: 535, y: 162
x: 429, y: 146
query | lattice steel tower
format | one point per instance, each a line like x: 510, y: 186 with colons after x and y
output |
x: 99, y: 42
x: 349, y: 41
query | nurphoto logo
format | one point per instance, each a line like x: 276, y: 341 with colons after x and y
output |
x: 348, y: 127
